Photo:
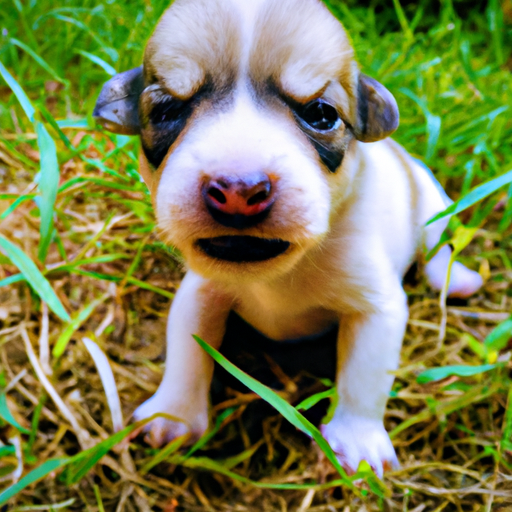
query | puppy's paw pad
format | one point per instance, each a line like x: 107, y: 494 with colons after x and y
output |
x: 464, y: 282
x: 354, y: 439
x: 178, y: 422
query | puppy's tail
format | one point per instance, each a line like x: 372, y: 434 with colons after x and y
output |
x: 463, y: 281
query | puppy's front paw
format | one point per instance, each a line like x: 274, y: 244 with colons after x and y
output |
x: 189, y: 419
x: 354, y: 439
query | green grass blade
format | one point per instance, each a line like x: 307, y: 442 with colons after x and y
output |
x: 433, y: 122
x: 476, y: 195
x: 7, y: 451
x: 83, y: 462
x: 28, y: 31
x: 506, y: 439
x: 496, y: 28
x: 75, y: 324
x: 34, y: 277
x: 97, y: 181
x: 433, y: 131
x: 48, y: 184
x: 73, y: 123
x: 402, y: 19
x: 77, y: 466
x: 287, y: 410
x: 16, y: 278
x: 435, y: 374
x: 102, y: 258
x: 207, y: 464
x: 164, y: 453
x: 83, y: 26
x: 314, y: 399
x: 34, y: 476
x: 39, y: 60
x: 442, y: 409
x: 15, y: 204
x: 100, y: 62
x: 150, y: 287
x: 18, y: 92
x: 210, y: 433
x: 499, y: 337
x: 55, y: 125
x: 6, y: 415
x: 222, y: 467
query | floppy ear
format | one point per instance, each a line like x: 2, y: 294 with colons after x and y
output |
x: 377, y: 111
x: 117, y: 107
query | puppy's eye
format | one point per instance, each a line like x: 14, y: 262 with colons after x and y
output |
x: 320, y: 115
x: 166, y: 111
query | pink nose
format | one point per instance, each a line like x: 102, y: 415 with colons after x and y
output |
x: 250, y: 195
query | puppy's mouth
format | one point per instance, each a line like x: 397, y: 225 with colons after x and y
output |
x: 242, y: 249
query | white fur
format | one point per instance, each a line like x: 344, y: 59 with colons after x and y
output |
x: 353, y: 233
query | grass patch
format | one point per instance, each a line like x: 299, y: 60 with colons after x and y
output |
x: 76, y: 238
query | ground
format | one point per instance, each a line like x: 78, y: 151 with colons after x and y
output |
x: 449, y: 68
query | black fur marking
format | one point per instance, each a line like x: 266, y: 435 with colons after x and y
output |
x: 158, y: 137
x: 330, y: 156
x: 329, y: 144
x: 242, y: 249
x: 163, y: 118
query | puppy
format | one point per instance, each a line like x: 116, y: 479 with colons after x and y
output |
x: 265, y: 151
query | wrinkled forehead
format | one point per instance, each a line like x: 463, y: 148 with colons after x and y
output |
x: 296, y: 45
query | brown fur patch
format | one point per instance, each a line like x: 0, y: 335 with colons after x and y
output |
x: 301, y: 47
x: 194, y: 42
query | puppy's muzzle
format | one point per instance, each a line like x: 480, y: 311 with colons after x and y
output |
x: 239, y: 202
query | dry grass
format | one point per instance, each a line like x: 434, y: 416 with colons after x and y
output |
x: 451, y: 435
x: 449, y: 450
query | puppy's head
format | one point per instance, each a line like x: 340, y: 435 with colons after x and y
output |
x: 248, y: 114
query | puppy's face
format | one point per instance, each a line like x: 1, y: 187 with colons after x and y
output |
x: 248, y: 113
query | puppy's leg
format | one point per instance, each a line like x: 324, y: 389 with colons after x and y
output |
x: 183, y: 392
x: 368, y: 349
x: 463, y: 281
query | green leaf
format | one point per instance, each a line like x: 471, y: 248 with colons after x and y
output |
x: 34, y: 277
x: 6, y: 415
x: 83, y: 462
x: 462, y: 238
x: 16, y: 278
x: 48, y: 184
x: 74, y: 325
x: 78, y: 465
x: 288, y: 411
x: 475, y: 345
x: 314, y: 399
x: 222, y: 467
x: 100, y: 62
x: 435, y: 374
x: 19, y: 200
x: 7, y: 451
x: 37, y: 474
x: 402, y: 19
x: 506, y: 439
x: 200, y: 443
x: 499, y: 336
x: 476, y: 195
x: 73, y: 123
x: 19, y: 92
x: 217, y: 467
x: 164, y: 453
x: 433, y: 122
x: 39, y: 60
